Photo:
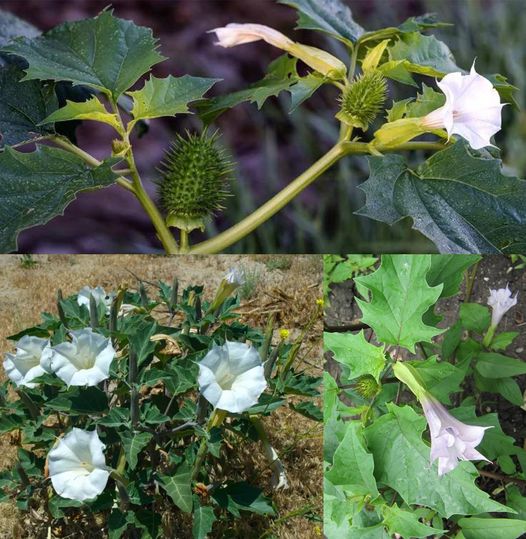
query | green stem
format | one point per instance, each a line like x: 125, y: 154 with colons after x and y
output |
x: 184, y: 242
x: 488, y: 338
x: 217, y: 417
x: 163, y: 232
x: 29, y: 403
x: 276, y: 203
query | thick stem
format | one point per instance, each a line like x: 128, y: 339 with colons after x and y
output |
x: 279, y: 201
x: 270, y: 208
x: 184, y: 241
x: 217, y: 417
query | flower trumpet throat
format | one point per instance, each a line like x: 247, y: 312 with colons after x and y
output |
x: 363, y: 100
x: 194, y: 182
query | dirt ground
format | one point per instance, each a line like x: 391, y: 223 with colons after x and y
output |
x: 285, y: 286
x: 343, y: 314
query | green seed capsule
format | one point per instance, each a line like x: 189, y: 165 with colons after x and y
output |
x: 194, y: 182
x: 362, y: 101
x: 367, y: 386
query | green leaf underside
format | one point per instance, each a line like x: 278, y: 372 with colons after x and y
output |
x: 92, y: 109
x: 463, y: 203
x: 23, y: 105
x: 168, y: 96
x: 492, y: 365
x: 353, y: 465
x: 281, y: 76
x: 12, y: 26
x: 179, y: 487
x: 330, y: 16
x: 401, y: 461
x: 399, y: 297
x: 103, y: 52
x: 354, y: 351
x: 29, y: 196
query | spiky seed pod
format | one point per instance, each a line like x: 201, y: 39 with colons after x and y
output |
x: 362, y: 101
x: 367, y: 386
x: 194, y: 183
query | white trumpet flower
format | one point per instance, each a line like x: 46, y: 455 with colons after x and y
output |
x: 472, y: 109
x: 85, y: 361
x: 231, y: 377
x: 451, y: 440
x: 99, y: 295
x: 29, y: 361
x: 500, y: 301
x: 237, y: 34
x: 77, y: 466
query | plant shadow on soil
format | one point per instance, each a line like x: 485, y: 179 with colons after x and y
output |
x: 289, y: 290
x: 492, y: 272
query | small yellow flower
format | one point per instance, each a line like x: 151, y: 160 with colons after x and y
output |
x: 284, y: 334
x: 317, y: 531
x: 320, y: 302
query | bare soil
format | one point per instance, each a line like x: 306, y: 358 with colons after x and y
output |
x: 290, y: 293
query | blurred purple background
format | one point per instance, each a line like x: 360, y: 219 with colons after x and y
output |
x: 111, y: 220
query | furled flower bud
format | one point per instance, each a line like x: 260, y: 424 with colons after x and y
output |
x: 29, y: 361
x: 321, y: 61
x: 85, y: 361
x: 231, y: 377
x: 362, y: 101
x: 195, y: 176
x: 500, y: 301
x: 77, y: 466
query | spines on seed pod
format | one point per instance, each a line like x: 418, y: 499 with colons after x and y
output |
x: 362, y: 101
x: 367, y: 386
x: 194, y: 182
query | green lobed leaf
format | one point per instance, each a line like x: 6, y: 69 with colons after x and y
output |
x: 23, y: 106
x: 492, y: 528
x: 401, y: 461
x: 134, y: 443
x: 29, y: 196
x: 330, y: 16
x: 168, y: 96
x: 281, y: 75
x: 423, y: 54
x: 80, y: 401
x: 353, y: 350
x: 179, y: 487
x: 398, y: 298
x: 204, y: 519
x: 461, y: 201
x: 353, y: 464
x: 405, y: 523
x: 104, y: 52
x: 92, y: 109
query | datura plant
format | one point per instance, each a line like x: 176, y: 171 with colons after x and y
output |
x: 126, y: 407
x: 413, y: 445
x: 93, y: 70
